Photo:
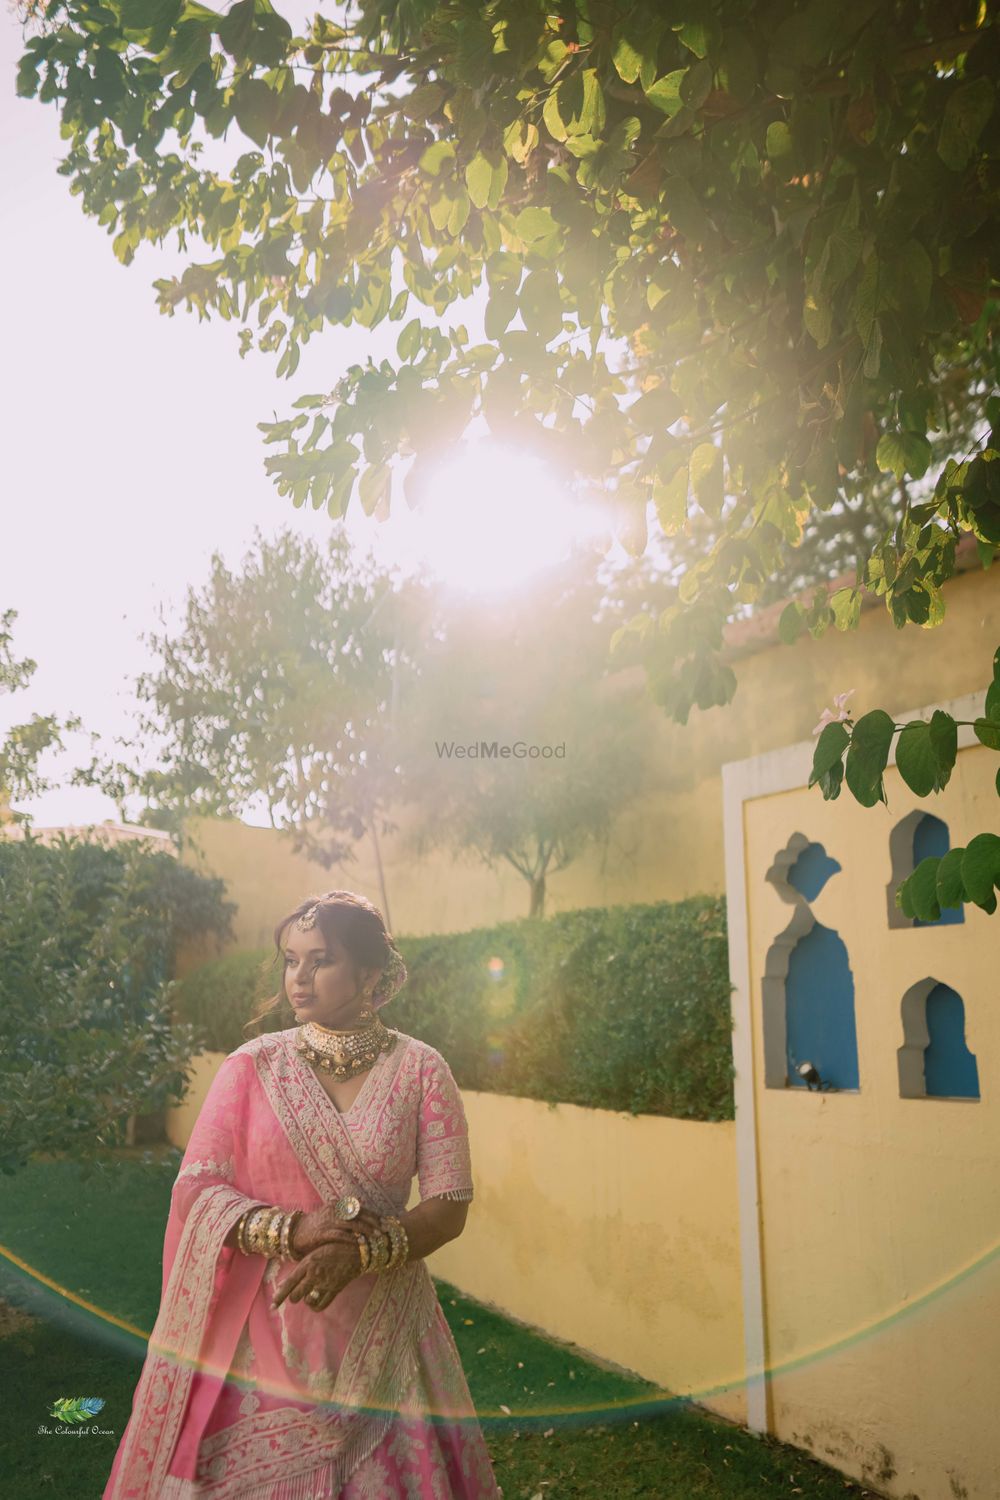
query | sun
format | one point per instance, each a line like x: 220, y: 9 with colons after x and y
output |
x: 494, y: 517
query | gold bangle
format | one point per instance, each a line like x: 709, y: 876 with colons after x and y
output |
x: 286, y: 1242
x: 400, y: 1241
x: 241, y: 1229
x: 274, y: 1234
x: 381, y: 1250
x: 365, y: 1252
x: 253, y: 1229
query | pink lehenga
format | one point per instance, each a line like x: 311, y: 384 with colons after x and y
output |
x: 366, y: 1400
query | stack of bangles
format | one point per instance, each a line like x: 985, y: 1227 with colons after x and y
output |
x: 268, y: 1231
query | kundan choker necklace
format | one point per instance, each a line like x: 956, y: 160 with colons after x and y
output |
x: 343, y: 1054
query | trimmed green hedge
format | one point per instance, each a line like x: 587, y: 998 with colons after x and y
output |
x: 622, y: 1008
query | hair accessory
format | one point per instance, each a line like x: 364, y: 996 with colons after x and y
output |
x: 393, y: 977
x: 308, y: 918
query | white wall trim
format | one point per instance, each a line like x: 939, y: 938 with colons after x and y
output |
x: 742, y: 781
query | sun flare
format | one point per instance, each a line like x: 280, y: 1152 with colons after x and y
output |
x: 495, y: 517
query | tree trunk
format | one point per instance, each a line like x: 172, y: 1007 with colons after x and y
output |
x: 537, y: 908
x: 383, y: 894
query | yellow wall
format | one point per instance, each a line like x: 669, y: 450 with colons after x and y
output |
x: 671, y: 846
x: 614, y: 1232
x: 880, y: 1215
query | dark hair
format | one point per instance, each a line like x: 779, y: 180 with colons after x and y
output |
x: 353, y: 920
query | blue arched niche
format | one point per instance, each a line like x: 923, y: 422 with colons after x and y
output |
x: 935, y: 1061
x: 808, y: 989
x: 819, y: 1010
x: 950, y: 1070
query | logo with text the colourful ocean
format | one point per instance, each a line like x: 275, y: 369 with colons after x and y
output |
x: 77, y: 1408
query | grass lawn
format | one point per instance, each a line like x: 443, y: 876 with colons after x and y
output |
x: 573, y: 1429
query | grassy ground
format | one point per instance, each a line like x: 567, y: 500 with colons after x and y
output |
x: 556, y: 1423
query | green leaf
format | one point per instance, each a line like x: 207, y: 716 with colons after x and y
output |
x: 915, y: 758
x: 540, y: 305
x: 670, y: 499
x: 981, y: 869
x: 236, y: 29
x: 778, y: 141
x: 791, y: 624
x: 868, y: 755
x: 373, y: 487
x: 684, y: 209
x: 534, y: 224
x: 575, y: 106
x: 697, y: 36
x: 190, y: 45
x: 255, y: 107
x: 846, y: 606
x: 408, y: 343
x: 907, y: 277
x: 903, y: 453
x: 665, y: 94
x: 626, y: 55
x: 706, y: 478
x: 149, y: 15
x: 965, y: 115
x: 950, y: 885
x: 828, y: 755
x: 479, y: 179
x: 922, y: 890
x: 697, y: 84
x: 435, y: 157
x: 839, y: 257
x: 993, y: 692
x: 987, y: 732
x: 817, y: 315
x: 944, y: 742
x: 500, y: 309
x: 904, y: 898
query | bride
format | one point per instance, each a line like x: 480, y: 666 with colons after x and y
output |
x: 301, y: 1352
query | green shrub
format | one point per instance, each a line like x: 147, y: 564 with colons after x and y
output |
x: 88, y: 938
x: 622, y: 1008
x: 219, y: 996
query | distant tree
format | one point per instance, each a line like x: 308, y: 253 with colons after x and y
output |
x: 24, y: 745
x: 278, y: 687
x: 557, y: 743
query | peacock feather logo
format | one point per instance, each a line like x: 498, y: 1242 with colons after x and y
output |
x: 77, y: 1409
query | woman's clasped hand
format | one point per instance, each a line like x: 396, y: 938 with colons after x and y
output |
x: 330, y: 1255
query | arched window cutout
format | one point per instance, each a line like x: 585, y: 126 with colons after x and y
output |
x: 920, y: 835
x: 935, y: 1061
x: 811, y: 871
x: 819, y: 1008
x: 808, y: 987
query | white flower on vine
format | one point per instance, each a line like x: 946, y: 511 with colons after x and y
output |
x: 842, y: 711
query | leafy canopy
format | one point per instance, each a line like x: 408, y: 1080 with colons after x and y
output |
x: 735, y: 257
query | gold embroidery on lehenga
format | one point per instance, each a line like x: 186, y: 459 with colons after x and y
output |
x: 390, y: 1364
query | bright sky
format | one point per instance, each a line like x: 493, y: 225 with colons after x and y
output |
x: 131, y: 448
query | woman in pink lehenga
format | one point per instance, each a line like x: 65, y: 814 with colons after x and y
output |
x: 278, y: 1368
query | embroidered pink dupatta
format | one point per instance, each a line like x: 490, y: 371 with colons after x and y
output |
x: 240, y: 1399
